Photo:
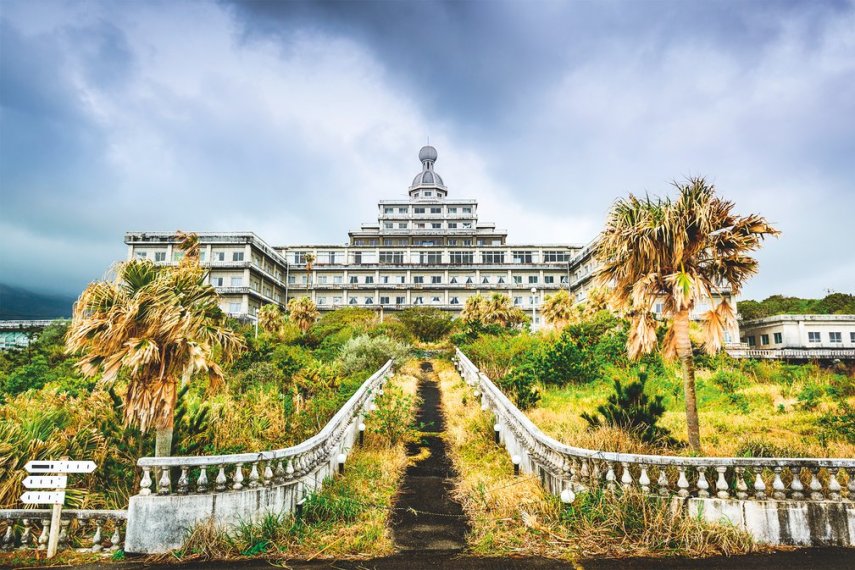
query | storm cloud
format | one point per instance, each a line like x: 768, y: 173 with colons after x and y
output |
x: 292, y: 119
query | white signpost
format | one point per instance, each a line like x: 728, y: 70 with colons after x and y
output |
x: 56, y: 495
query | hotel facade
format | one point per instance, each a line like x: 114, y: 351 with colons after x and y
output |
x: 426, y: 249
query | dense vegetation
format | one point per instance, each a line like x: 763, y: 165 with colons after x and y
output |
x: 283, y: 388
x: 832, y: 304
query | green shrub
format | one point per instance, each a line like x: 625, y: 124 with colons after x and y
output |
x: 496, y: 355
x: 428, y: 324
x: 366, y: 354
x: 570, y: 360
x: 838, y: 425
x: 393, y: 418
x: 520, y: 385
x: 630, y: 409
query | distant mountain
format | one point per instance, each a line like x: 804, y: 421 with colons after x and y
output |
x: 18, y: 303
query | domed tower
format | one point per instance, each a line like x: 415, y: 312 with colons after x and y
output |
x: 428, y: 185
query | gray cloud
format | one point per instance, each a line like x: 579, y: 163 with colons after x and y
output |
x: 293, y: 118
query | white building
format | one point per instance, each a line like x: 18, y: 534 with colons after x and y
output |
x: 800, y: 331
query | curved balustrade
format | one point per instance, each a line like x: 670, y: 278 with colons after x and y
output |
x: 561, y: 466
x: 29, y: 528
x: 235, y: 472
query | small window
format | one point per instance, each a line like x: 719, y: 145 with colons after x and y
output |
x: 453, y: 280
x: 418, y: 210
x: 237, y: 256
x: 322, y: 300
x: 467, y: 210
x: 436, y: 279
x: 835, y: 337
x: 388, y: 226
x: 400, y: 300
x: 338, y: 279
x: 428, y: 193
x: 217, y: 281
x: 402, y: 210
x: 418, y: 279
x: 384, y: 300
x: 436, y: 225
x: 852, y: 337
x: 813, y: 336
x: 549, y: 278
x: 292, y: 279
x: 751, y: 341
x: 485, y: 280
x: 532, y: 279
x: 354, y: 279
x: 452, y: 210
x: 160, y: 256
x: 779, y: 338
x: 452, y: 226
x: 234, y: 308
x: 518, y: 279
x: 369, y: 279
x: 351, y: 301
x: 322, y: 279
x: 764, y: 339
x: 336, y: 300
x: 219, y: 256
x: 436, y: 300
x: 388, y: 210
x: 237, y: 282
x: 418, y: 301
x: 436, y: 210
x: 454, y: 301
x: 517, y: 300
x: 141, y: 254
x: 369, y: 300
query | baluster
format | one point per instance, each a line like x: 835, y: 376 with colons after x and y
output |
x: 279, y: 472
x: 796, y: 485
x: 163, y: 486
x: 610, y: 477
x: 759, y: 485
x: 145, y: 482
x: 574, y: 473
x: 626, y: 476
x: 183, y: 481
x: 63, y: 533
x: 585, y: 473
x: 289, y: 470
x: 268, y: 473
x: 703, y: 484
x: 9, y: 536
x: 644, y: 479
x: 26, y: 534
x: 202, y: 481
x: 43, y: 537
x: 96, y: 539
x: 116, y: 539
x: 851, y: 484
x: 815, y: 485
x: 741, y: 485
x: 779, y: 490
x: 253, y: 476
x: 238, y: 477
x: 595, y: 472
x: 721, y: 483
x: 662, y: 482
x: 221, y: 480
x: 833, y: 485
x: 682, y: 481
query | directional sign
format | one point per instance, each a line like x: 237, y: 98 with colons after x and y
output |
x: 43, y: 497
x: 60, y: 466
x: 45, y: 482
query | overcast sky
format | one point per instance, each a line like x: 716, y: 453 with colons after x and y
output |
x: 292, y: 120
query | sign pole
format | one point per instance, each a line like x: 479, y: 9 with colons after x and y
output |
x: 53, y: 538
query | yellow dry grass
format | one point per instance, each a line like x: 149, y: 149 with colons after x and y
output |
x: 513, y: 516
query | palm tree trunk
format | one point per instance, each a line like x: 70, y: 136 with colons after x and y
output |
x: 163, y: 442
x: 684, y: 352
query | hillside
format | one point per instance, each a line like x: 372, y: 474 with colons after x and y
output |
x: 833, y: 304
x: 18, y: 303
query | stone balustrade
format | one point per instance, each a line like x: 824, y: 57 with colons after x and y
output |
x: 89, y: 530
x: 797, y: 482
x: 176, y: 493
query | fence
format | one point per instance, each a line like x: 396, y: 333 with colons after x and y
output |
x: 779, y: 500
x: 93, y: 530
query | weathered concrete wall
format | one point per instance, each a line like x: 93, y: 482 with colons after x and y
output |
x: 797, y: 523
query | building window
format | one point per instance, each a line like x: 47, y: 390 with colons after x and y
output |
x: 369, y: 279
x: 237, y: 282
x: 467, y: 210
x: 418, y: 301
x: 322, y: 279
x: 452, y: 225
x: 159, y: 256
x: 392, y: 257
x: 299, y: 257
x: 532, y: 279
x: 779, y: 338
x: 523, y: 257
x: 369, y: 300
x: 402, y: 210
x: 813, y: 336
x: 467, y: 225
x: 454, y: 301
x: 453, y: 280
x: 852, y: 337
x: 493, y: 257
x: 141, y: 254
x: 517, y: 279
x: 418, y: 279
x: 436, y: 300
x: 292, y: 279
x: 428, y: 194
x: 434, y: 257
x: 764, y: 339
x: 436, y: 226
x: 388, y: 210
x: 234, y: 308
x: 337, y: 279
x: 751, y: 341
x: 400, y: 300
x: 835, y: 337
x: 462, y: 257
x: 217, y: 281
x: 501, y: 280
x: 418, y: 210
x: 555, y: 256
x: 563, y: 280
x: 436, y: 279
x: 436, y: 210
x: 237, y: 256
x: 549, y: 279
x: 517, y: 300
x: 452, y: 210
x: 336, y: 300
x: 388, y: 225
x: 219, y: 256
x: 354, y: 279
x: 402, y: 225
x: 485, y: 280
x: 469, y: 281
x: 322, y: 300
x: 384, y: 300
x: 351, y: 301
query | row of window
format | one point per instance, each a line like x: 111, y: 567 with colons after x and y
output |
x: 813, y: 336
x: 203, y: 254
x: 434, y: 257
x: 428, y: 225
x: 422, y: 279
x: 427, y: 210
x: 401, y: 300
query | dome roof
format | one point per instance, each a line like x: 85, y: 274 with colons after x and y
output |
x: 428, y: 176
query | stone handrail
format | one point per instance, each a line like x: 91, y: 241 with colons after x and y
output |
x: 266, y: 468
x: 561, y: 466
x: 29, y: 528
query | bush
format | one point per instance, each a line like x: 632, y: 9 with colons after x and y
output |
x: 428, y: 324
x: 567, y: 361
x: 496, y: 355
x: 393, y: 418
x: 521, y: 385
x: 630, y: 409
x: 366, y: 354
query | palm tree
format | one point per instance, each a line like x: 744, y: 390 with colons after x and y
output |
x: 678, y: 252
x: 270, y: 318
x: 558, y: 309
x: 303, y: 312
x: 310, y: 264
x: 474, y: 310
x: 500, y: 311
x: 160, y: 325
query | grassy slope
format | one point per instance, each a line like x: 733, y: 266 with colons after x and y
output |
x: 763, y: 409
x: 515, y: 517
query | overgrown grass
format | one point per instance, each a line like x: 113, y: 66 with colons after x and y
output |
x: 750, y: 409
x: 348, y: 518
x: 513, y: 516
